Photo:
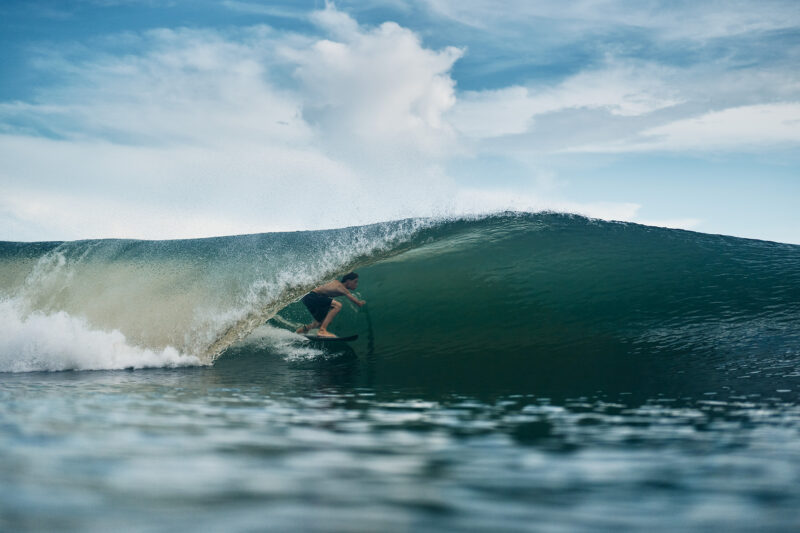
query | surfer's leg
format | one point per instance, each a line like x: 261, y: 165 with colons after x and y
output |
x: 323, y: 329
x: 318, y: 306
x: 306, y: 328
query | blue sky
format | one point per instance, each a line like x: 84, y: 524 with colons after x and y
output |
x: 177, y: 118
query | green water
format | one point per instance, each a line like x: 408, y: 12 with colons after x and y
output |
x: 512, y: 373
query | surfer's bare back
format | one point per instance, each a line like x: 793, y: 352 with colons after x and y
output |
x: 322, y: 306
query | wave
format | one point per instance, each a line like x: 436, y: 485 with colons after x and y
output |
x: 510, y: 290
x: 191, y: 297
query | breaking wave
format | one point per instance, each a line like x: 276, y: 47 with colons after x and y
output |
x: 510, y: 290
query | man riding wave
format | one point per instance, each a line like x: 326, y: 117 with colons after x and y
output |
x: 322, y: 306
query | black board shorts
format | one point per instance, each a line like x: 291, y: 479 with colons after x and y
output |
x: 318, y: 305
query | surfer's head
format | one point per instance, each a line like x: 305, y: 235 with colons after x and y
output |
x: 350, y: 280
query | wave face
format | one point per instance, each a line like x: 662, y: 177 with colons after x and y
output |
x: 129, y: 304
x: 542, y: 299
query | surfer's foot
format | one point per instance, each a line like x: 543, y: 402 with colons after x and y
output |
x: 302, y: 329
x: 325, y: 333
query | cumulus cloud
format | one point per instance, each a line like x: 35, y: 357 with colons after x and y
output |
x: 376, y: 86
x: 192, y: 132
x: 192, y: 136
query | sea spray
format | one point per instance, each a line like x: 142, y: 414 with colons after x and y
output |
x: 190, y: 299
x: 57, y: 341
x: 516, y: 293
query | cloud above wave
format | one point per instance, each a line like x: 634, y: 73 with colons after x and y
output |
x: 191, y: 132
x: 351, y: 134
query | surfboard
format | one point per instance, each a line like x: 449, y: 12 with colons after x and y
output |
x: 330, y: 339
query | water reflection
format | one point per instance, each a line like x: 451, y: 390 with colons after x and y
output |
x: 340, y: 442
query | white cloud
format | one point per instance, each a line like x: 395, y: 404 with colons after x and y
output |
x: 189, y: 87
x: 45, y: 215
x: 202, y: 132
x: 748, y: 125
x: 376, y: 86
x: 635, y: 106
x: 686, y: 20
x: 89, y: 188
x: 742, y: 128
x: 619, y: 89
x: 191, y: 137
x: 337, y: 23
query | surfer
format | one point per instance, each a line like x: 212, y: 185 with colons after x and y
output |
x: 322, y: 306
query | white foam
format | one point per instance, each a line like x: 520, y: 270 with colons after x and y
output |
x: 117, y: 304
x: 290, y: 346
x: 58, y: 341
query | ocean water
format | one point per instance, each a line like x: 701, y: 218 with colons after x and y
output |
x: 519, y: 372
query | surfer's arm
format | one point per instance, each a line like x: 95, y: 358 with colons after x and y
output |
x: 343, y: 290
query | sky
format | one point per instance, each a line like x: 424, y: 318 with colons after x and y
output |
x: 161, y: 119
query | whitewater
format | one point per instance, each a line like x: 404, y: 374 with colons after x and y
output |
x: 513, y: 372
x: 164, y: 303
x: 485, y: 283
